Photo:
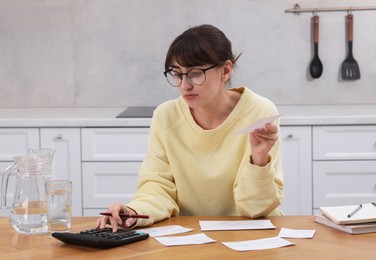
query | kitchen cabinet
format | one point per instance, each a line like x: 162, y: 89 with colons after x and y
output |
x: 13, y: 142
x: 344, y: 143
x: 111, y: 158
x: 344, y: 165
x: 17, y: 141
x: 114, y: 144
x: 108, y: 182
x: 296, y: 143
x: 66, y: 162
x: 327, y: 160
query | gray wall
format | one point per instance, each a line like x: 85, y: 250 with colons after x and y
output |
x: 105, y: 53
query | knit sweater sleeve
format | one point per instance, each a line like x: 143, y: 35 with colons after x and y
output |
x: 258, y: 190
x: 156, y: 192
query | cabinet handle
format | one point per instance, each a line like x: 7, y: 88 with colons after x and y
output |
x: 290, y: 135
x: 59, y: 137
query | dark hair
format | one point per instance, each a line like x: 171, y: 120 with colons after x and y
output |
x: 204, y: 44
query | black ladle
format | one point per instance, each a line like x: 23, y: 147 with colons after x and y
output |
x: 316, y: 65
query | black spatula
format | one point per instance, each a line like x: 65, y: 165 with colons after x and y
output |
x: 350, y: 68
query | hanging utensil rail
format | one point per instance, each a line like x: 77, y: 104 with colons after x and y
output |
x: 297, y: 9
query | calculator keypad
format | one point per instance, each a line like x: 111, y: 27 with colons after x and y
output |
x: 107, y: 233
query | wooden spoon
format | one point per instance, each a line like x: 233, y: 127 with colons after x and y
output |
x: 316, y: 65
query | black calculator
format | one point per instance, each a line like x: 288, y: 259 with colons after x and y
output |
x: 101, y: 238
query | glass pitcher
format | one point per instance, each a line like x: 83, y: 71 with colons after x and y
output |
x: 28, y: 214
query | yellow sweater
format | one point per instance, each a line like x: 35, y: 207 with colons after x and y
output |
x: 191, y: 171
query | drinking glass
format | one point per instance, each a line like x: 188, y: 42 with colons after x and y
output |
x: 59, y: 205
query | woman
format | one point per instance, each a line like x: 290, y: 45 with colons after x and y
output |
x: 197, y: 163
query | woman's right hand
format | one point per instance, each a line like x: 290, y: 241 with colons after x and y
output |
x: 114, y: 220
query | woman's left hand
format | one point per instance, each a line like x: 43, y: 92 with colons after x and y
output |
x: 262, y: 140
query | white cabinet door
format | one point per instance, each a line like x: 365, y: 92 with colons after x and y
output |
x: 344, y: 182
x: 296, y: 145
x: 344, y: 143
x: 107, y: 182
x: 111, y: 161
x: 67, y: 159
x: 17, y: 141
x: 114, y: 144
x: 13, y: 142
x: 344, y: 167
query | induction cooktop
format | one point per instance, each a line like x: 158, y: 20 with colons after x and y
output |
x: 133, y: 112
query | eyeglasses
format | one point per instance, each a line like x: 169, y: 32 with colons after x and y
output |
x: 195, y: 76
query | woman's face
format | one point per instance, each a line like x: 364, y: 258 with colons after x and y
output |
x: 206, y: 94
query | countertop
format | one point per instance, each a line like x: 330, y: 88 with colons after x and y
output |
x: 106, y: 117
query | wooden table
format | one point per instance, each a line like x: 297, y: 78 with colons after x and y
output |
x: 326, y: 244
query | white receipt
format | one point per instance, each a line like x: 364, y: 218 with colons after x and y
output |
x: 236, y: 225
x: 165, y: 230
x: 296, y: 233
x: 185, y: 240
x: 259, y: 124
x: 258, y: 244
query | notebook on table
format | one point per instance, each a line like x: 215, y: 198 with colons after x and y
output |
x: 350, y: 214
x: 360, y: 228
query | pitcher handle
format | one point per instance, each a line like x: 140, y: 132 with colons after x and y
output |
x: 4, y: 184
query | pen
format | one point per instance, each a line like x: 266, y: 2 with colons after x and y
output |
x: 125, y: 215
x: 354, y: 211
